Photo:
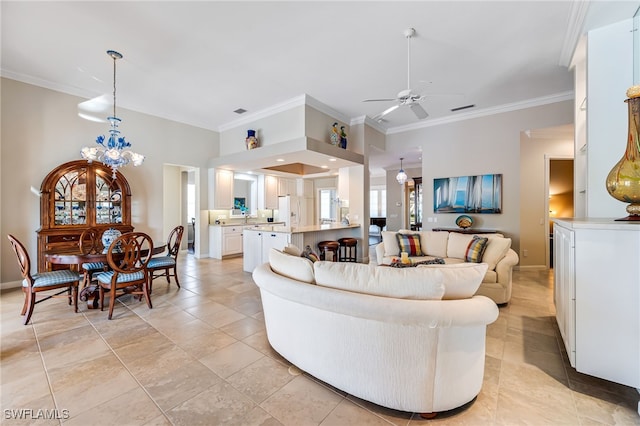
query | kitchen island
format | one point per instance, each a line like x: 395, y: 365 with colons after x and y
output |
x: 257, y: 241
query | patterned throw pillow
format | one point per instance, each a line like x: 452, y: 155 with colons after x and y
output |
x: 476, y: 249
x: 309, y: 254
x: 409, y: 243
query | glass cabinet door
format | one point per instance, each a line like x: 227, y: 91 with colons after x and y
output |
x: 71, y: 198
x: 108, y: 200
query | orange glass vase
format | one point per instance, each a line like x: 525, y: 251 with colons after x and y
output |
x: 623, y: 181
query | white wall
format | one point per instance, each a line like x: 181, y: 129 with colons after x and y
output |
x: 41, y: 130
x: 609, y: 75
x: 483, y: 145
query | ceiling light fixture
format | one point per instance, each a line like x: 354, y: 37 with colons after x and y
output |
x: 111, y: 152
x: 401, y: 177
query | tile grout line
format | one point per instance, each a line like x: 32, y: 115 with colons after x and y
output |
x: 46, y: 370
x: 125, y: 366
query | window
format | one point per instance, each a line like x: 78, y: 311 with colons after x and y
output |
x: 378, y: 202
x: 328, y: 205
x: 191, y: 201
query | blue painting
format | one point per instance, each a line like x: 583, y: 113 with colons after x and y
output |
x: 468, y: 194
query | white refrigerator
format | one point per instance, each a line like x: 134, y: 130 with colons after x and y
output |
x: 289, y: 210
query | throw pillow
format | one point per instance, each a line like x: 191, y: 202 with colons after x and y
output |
x: 409, y: 243
x: 292, y: 250
x: 476, y: 249
x: 309, y: 254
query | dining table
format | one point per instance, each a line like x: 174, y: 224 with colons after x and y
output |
x: 75, y: 259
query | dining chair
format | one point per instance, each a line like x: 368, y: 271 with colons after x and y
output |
x: 31, y: 284
x: 166, y: 266
x: 128, y: 257
x: 91, y: 243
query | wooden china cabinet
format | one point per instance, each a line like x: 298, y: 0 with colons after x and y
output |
x: 78, y: 195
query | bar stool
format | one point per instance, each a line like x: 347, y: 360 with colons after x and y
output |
x: 348, y: 250
x: 329, y: 246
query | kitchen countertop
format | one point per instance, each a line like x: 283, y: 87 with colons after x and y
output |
x: 303, y: 229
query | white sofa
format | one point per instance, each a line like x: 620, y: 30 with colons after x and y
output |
x: 379, y: 333
x: 452, y: 246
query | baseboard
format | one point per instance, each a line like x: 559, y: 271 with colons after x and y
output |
x: 10, y: 284
x: 530, y: 268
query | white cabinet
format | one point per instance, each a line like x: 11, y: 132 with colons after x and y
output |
x: 257, y: 244
x: 276, y: 240
x: 223, y: 189
x: 225, y: 241
x: 287, y: 187
x: 270, y: 192
x: 231, y: 240
x: 601, y: 272
x: 564, y: 289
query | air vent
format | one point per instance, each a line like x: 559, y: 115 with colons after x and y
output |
x: 240, y: 111
x: 462, y: 107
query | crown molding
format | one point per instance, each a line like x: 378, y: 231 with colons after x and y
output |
x: 575, y: 26
x: 515, y: 106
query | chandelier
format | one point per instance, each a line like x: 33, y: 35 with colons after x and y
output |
x: 112, y: 151
x: 401, y: 177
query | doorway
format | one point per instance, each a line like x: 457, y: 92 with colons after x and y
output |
x: 560, y: 195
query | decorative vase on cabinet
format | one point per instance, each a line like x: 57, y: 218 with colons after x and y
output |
x: 623, y: 181
x: 251, y: 140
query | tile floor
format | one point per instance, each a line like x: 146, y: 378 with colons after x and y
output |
x: 201, y: 357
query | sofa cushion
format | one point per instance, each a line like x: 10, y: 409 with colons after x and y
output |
x: 457, y: 245
x: 409, y: 243
x: 401, y: 283
x: 434, y: 243
x: 294, y: 267
x: 475, y: 249
x: 461, y: 280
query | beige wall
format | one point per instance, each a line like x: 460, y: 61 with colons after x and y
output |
x: 479, y: 146
x: 41, y: 129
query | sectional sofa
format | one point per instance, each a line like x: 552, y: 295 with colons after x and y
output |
x: 410, y: 339
x: 453, y: 248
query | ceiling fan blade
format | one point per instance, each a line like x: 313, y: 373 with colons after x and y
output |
x: 419, y: 111
x: 385, y: 112
x: 379, y: 100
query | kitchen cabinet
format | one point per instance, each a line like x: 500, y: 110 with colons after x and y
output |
x: 256, y: 245
x: 225, y: 241
x: 597, y: 296
x: 270, y: 192
x: 223, y: 189
x: 287, y: 187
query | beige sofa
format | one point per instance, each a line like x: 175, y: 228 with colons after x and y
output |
x: 386, y: 335
x: 452, y: 247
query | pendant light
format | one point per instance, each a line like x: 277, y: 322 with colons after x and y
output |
x: 401, y: 177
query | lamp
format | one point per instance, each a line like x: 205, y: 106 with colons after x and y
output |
x: 111, y: 152
x: 401, y: 177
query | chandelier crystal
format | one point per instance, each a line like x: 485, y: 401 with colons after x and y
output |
x: 112, y: 151
x: 401, y: 177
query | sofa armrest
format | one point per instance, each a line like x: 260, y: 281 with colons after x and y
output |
x: 504, y: 268
x: 380, y: 253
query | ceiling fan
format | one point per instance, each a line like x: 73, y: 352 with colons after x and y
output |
x: 405, y: 97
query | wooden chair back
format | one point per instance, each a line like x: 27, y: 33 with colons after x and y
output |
x: 174, y: 240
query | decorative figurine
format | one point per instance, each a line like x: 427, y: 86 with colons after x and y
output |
x: 334, y: 137
x: 343, y: 138
x: 251, y: 140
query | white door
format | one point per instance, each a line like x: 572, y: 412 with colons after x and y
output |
x: 252, y: 250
